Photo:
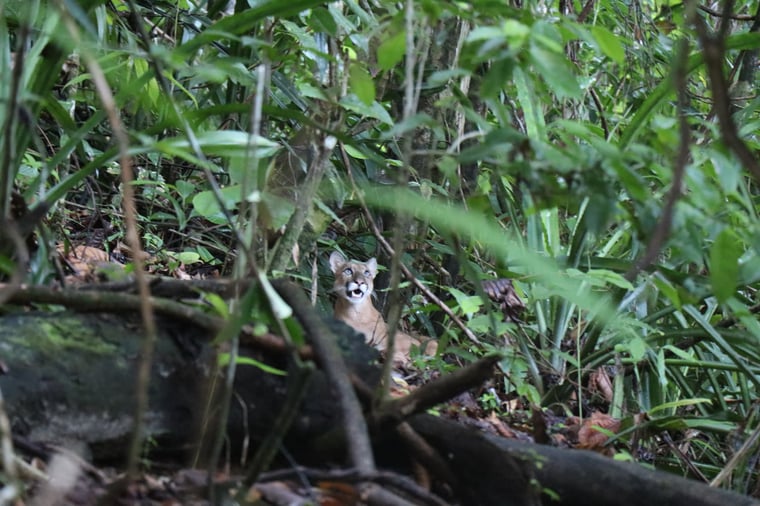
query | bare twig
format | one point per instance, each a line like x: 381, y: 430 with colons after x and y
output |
x: 94, y: 301
x: 192, y: 139
x: 746, y: 451
x: 600, y: 112
x: 665, y: 435
x: 436, y: 391
x: 735, y: 17
x: 133, y: 239
x: 295, y: 225
x: 587, y: 7
x: 402, y: 179
x: 248, y: 217
x: 405, y: 270
x: 713, y: 50
x: 6, y: 443
x: 662, y: 230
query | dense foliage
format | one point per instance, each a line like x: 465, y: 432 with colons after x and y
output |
x: 602, y: 155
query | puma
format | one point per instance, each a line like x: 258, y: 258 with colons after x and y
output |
x: 354, y: 283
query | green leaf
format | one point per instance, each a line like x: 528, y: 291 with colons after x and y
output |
x: 556, y: 71
x: 637, y: 348
x: 468, y: 304
x: 206, y: 205
x: 189, y: 257
x: 244, y: 22
x: 276, y: 210
x: 355, y: 153
x: 218, y: 304
x: 534, y: 118
x: 485, y: 33
x: 611, y: 278
x: 497, y: 76
x: 375, y: 110
x: 493, y: 237
x: 184, y: 188
x: 677, y: 404
x: 322, y: 21
x: 391, y: 51
x: 409, y: 125
x: 724, y: 264
x: 718, y: 339
x: 361, y: 83
x: 661, y: 374
x: 151, y: 92
x: 609, y: 43
x: 224, y: 359
x: 667, y: 289
x: 222, y: 143
x: 662, y: 93
x: 280, y: 308
x: 516, y: 33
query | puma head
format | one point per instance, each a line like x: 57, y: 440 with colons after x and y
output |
x: 353, y: 280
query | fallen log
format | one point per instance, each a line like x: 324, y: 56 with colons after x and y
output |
x: 69, y: 378
x: 494, y: 470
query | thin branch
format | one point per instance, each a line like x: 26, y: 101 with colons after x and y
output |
x: 133, y: 239
x: 404, y: 269
x: 600, y: 111
x: 402, y: 179
x: 248, y: 218
x: 6, y: 443
x: 662, y: 230
x: 735, y: 17
x: 192, y: 139
x: 308, y: 193
x: 437, y: 391
x: 713, y: 50
x: 588, y: 6
x: 120, y: 303
x: 747, y: 450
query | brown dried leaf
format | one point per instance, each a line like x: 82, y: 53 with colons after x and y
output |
x: 590, y: 437
x: 599, y: 381
x: 335, y: 493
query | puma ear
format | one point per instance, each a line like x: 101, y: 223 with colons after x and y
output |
x: 372, y: 266
x: 336, y: 260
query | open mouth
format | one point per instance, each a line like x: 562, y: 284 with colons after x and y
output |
x: 356, y: 293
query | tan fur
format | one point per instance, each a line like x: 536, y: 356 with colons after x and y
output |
x: 354, y: 282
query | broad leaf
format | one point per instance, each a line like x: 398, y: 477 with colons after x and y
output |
x: 391, y: 51
x: 724, y: 264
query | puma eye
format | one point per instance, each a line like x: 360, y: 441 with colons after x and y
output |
x: 366, y: 273
x: 348, y: 272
